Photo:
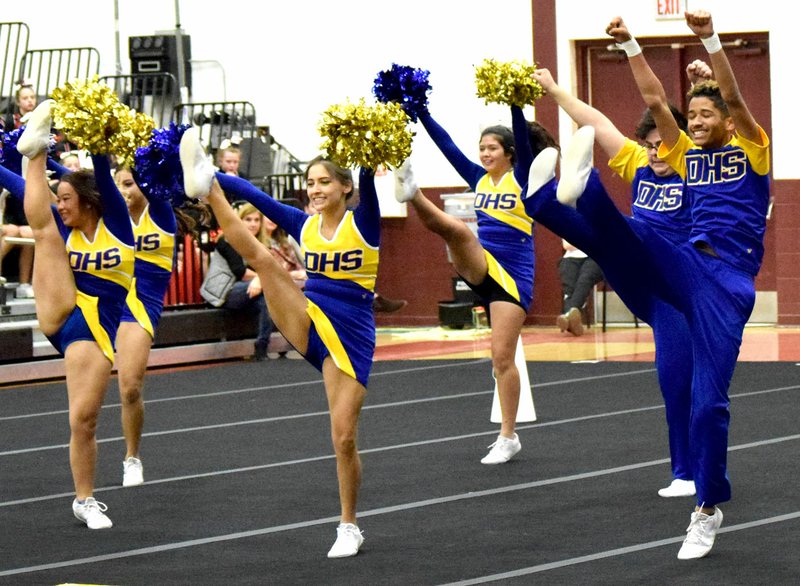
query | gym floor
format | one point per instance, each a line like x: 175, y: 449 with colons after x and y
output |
x: 241, y: 481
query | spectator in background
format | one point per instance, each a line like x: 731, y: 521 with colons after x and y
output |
x: 286, y: 251
x: 246, y: 292
x: 14, y: 225
x: 228, y: 159
x: 12, y: 221
x: 579, y: 274
x: 71, y: 161
x: 25, y: 102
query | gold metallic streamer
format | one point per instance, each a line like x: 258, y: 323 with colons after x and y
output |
x: 91, y: 116
x: 357, y: 135
x: 507, y: 83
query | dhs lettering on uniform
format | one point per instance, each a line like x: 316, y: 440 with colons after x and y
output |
x: 95, y: 261
x: 326, y: 262
x: 724, y: 166
x: 663, y: 197
x: 148, y: 242
x: 495, y: 201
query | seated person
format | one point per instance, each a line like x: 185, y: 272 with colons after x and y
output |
x: 14, y: 225
x: 246, y: 292
x: 287, y: 251
x: 579, y: 274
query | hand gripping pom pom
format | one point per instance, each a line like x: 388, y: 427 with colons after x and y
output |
x: 507, y: 83
x: 366, y: 136
x: 406, y: 86
x: 157, y: 166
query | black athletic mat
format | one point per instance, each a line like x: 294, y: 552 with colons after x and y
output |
x: 241, y: 481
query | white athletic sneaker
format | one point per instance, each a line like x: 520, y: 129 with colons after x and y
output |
x: 91, y: 513
x: 576, y: 166
x: 35, y: 138
x: 405, y: 187
x: 198, y: 171
x: 24, y: 291
x: 348, y: 540
x: 503, y: 449
x: 542, y: 170
x: 701, y: 533
x: 678, y: 487
x: 132, y: 472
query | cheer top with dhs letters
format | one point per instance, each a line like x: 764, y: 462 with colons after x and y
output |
x: 154, y: 236
x: 341, y: 273
x: 504, y: 228
x: 102, y: 265
x: 729, y: 187
x: 659, y: 201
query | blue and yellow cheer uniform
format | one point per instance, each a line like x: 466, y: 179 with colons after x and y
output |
x: 505, y: 230
x: 102, y: 267
x: 341, y: 274
x: 154, y: 236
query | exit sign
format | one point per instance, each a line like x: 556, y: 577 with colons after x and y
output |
x: 670, y: 9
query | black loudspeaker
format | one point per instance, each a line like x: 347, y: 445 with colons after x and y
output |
x: 159, y: 54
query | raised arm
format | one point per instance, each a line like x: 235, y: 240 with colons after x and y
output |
x: 649, y: 85
x: 368, y: 213
x: 522, y: 144
x: 57, y: 168
x: 746, y: 126
x: 606, y: 134
x: 698, y: 71
x: 469, y: 171
x: 115, y: 210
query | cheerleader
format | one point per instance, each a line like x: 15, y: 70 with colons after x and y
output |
x: 498, y: 263
x: 83, y: 268
x: 330, y: 322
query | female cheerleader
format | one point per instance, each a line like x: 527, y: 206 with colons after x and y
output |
x: 330, y: 322
x: 498, y: 263
x: 81, y: 289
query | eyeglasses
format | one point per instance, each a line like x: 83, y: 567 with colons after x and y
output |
x: 651, y: 146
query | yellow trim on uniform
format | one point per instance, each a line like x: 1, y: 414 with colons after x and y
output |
x: 330, y: 339
x: 521, y: 224
x: 88, y: 305
x: 137, y: 309
x: 499, y: 274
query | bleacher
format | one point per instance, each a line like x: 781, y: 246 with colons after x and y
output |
x: 187, y: 321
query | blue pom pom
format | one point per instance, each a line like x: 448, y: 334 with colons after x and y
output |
x: 157, y: 166
x: 10, y: 157
x: 405, y: 85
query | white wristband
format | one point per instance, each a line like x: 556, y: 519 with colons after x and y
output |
x: 712, y: 44
x: 631, y: 47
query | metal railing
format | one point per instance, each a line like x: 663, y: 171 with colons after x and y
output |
x: 13, y: 44
x: 47, y: 69
x: 155, y: 94
x: 218, y: 120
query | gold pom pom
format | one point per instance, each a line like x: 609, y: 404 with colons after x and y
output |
x: 366, y: 136
x: 507, y: 83
x: 90, y: 115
